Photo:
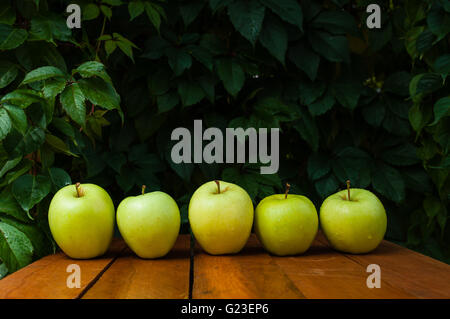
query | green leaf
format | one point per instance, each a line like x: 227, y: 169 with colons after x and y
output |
x: 326, y: 185
x: 153, y: 14
x: 5, y: 123
x: 90, y: 11
x: 307, y: 128
x: 7, y: 15
x: 23, y: 98
x: 274, y: 38
x: 352, y: 164
x: 59, y: 178
x: 398, y: 83
x: 417, y: 180
x: 311, y: 91
x: 18, y: 117
x: 347, y: 93
x: 288, y: 10
x: 318, y: 166
x: 106, y: 11
x: 404, y: 154
x: 9, y: 206
x: 374, y: 113
x: 442, y: 134
x: 8, y: 165
x: 305, y: 59
x: 202, y: 55
x: 190, y: 11
x: 442, y: 65
x: 438, y: 22
x: 322, y: 105
x: 30, y: 190
x: 428, y: 82
x: 42, y: 73
x: 441, y: 109
x: 10, y: 37
x: 190, y: 93
x: 247, y: 18
x: 18, y: 145
x: 3, y: 270
x: 387, y: 181
x: 125, y: 45
x: 100, y: 93
x: 16, y: 250
x: 334, y: 48
x: 425, y: 41
x: 432, y: 206
x: 336, y: 22
x: 8, y: 73
x: 135, y: 8
x: 50, y: 28
x: 72, y: 100
x: 42, y: 245
x: 179, y: 60
x: 93, y: 68
x: 167, y: 102
x: 231, y: 74
x: 63, y: 126
x: 53, y: 87
x: 58, y: 145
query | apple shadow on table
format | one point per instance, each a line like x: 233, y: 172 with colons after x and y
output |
x: 173, y: 254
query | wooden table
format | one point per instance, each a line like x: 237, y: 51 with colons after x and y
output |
x: 190, y: 273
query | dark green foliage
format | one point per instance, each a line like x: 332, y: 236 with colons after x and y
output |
x: 99, y: 104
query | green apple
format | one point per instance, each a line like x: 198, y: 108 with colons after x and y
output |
x: 149, y: 223
x: 81, y: 219
x: 286, y: 224
x: 353, y: 220
x: 221, y: 217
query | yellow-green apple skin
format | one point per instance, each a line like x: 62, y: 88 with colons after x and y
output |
x: 221, y: 222
x: 149, y: 223
x: 354, y: 226
x: 83, y: 227
x: 286, y: 225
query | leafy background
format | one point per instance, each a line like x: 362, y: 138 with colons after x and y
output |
x: 98, y: 104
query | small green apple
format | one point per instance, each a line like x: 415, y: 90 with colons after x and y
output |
x: 81, y: 220
x: 221, y: 217
x: 286, y: 224
x: 353, y: 220
x: 149, y: 223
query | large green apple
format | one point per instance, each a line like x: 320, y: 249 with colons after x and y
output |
x: 149, y: 223
x: 221, y: 217
x: 286, y: 224
x: 353, y: 220
x: 81, y: 220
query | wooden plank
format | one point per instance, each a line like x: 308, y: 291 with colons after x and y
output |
x: 131, y: 277
x: 414, y: 273
x: 250, y: 274
x: 47, y: 277
x: 326, y: 274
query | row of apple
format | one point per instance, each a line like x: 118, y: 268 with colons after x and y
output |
x: 221, y: 216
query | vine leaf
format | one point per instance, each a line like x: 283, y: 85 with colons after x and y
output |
x: 29, y: 190
x: 16, y: 250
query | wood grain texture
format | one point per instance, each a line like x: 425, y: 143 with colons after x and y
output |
x: 47, y: 277
x: 250, y: 274
x: 131, y: 277
x: 322, y: 273
x: 414, y: 273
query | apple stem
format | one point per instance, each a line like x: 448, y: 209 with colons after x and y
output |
x: 143, y: 189
x: 218, y: 187
x: 78, y: 188
x: 287, y: 190
x: 348, y: 189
